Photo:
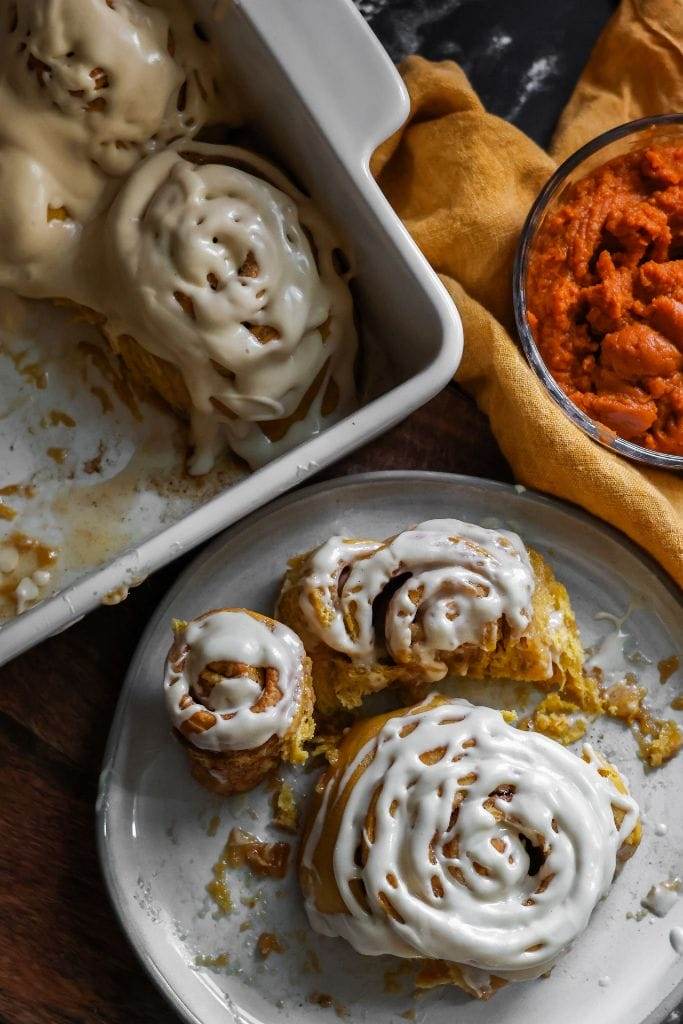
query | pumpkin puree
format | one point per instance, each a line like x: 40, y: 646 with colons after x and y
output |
x: 605, y: 295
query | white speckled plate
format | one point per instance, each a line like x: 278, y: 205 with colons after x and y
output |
x: 154, y: 821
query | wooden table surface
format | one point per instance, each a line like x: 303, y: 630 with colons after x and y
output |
x: 63, y: 956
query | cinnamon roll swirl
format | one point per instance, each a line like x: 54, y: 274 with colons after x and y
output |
x: 88, y: 88
x: 228, y: 298
x: 444, y: 598
x: 238, y: 692
x: 445, y: 835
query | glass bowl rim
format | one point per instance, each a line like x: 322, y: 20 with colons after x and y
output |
x: 595, y: 430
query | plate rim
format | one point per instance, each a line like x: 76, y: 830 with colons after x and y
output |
x: 127, y: 925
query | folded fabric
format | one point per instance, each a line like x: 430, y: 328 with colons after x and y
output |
x: 462, y: 181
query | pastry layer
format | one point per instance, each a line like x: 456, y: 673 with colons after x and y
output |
x: 443, y: 599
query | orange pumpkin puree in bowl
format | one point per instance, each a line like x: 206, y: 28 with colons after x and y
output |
x: 604, y: 293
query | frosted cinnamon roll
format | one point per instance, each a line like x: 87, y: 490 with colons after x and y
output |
x: 88, y: 88
x: 444, y: 598
x: 238, y: 692
x: 228, y: 298
x: 444, y: 835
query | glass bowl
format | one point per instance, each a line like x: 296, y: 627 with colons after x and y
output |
x: 624, y: 139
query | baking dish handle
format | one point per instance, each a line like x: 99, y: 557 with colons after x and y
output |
x: 338, y: 67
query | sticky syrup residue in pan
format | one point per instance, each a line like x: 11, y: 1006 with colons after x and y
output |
x: 122, y: 475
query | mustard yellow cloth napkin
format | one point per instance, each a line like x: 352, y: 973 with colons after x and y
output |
x: 463, y: 180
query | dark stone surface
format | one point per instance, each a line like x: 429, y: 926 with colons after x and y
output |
x: 522, y: 56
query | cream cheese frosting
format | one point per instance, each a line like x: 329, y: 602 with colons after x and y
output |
x: 87, y: 88
x: 458, y: 579
x: 446, y: 802
x: 221, y: 267
x: 233, y: 636
x: 206, y: 256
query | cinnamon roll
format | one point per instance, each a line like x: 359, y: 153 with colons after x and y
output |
x: 449, y: 837
x: 238, y: 692
x: 229, y: 299
x: 88, y: 88
x: 444, y: 598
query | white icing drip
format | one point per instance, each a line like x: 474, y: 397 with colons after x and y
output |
x: 661, y: 828
x: 607, y: 659
x: 236, y: 637
x: 662, y: 897
x: 179, y: 229
x: 467, y: 578
x: 209, y: 441
x: 555, y: 620
x: 9, y: 559
x: 676, y: 940
x: 25, y: 593
x: 483, y: 923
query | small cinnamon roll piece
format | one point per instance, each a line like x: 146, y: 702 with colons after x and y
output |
x: 238, y: 692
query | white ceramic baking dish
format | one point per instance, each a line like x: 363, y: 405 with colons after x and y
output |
x: 324, y: 94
